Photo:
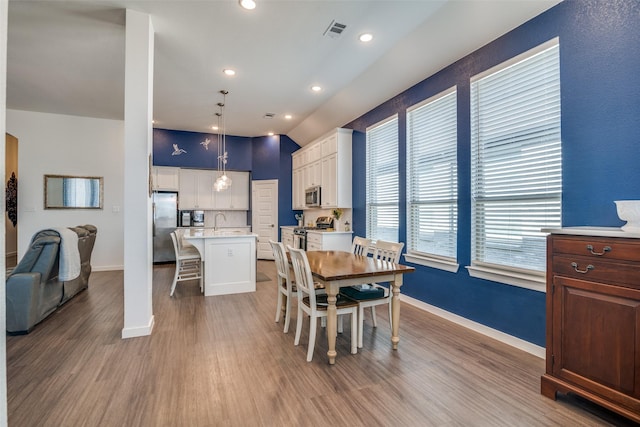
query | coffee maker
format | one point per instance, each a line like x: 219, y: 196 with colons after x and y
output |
x: 185, y: 219
x: 197, y: 219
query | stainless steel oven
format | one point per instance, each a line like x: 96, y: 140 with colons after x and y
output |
x: 300, y: 238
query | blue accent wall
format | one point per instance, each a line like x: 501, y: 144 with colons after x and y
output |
x: 239, y: 149
x: 600, y: 93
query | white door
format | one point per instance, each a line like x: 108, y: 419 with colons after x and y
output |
x: 264, y: 215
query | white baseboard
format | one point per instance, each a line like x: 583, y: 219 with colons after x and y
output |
x: 140, y: 331
x: 107, y: 268
x: 518, y: 343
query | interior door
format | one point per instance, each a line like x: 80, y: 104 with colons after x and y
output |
x: 264, y: 215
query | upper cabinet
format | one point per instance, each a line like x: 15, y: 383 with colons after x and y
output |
x: 235, y: 197
x: 325, y: 162
x: 196, y: 191
x: 166, y: 178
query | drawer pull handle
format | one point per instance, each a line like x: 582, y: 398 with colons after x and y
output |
x: 575, y: 267
x: 604, y: 250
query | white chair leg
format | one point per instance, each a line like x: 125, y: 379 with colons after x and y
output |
x: 278, y: 305
x: 354, y: 333
x: 312, y: 338
x: 201, y: 277
x: 296, y: 341
x: 340, y: 326
x: 360, y: 325
x: 373, y: 316
x: 287, y: 315
x: 175, y: 279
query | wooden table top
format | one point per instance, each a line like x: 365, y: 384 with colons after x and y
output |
x: 338, y: 265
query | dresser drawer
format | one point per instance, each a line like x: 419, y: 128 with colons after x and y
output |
x: 597, y: 270
x: 593, y: 247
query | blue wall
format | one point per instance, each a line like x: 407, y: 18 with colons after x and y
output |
x: 600, y: 68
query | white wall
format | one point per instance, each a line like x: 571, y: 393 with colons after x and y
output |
x: 70, y: 145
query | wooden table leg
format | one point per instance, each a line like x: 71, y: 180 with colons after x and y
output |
x: 332, y: 321
x: 395, y: 310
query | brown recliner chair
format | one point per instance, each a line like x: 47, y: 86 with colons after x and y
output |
x: 86, y: 240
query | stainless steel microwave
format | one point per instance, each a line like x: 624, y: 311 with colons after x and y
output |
x: 312, y: 197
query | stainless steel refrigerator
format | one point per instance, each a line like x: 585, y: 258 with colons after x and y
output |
x: 165, y: 220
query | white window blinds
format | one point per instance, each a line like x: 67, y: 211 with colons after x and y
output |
x: 382, y: 180
x: 516, y: 160
x: 432, y: 176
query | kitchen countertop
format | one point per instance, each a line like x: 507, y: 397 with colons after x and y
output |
x: 210, y: 233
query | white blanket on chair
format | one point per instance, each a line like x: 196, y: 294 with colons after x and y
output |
x: 69, y: 254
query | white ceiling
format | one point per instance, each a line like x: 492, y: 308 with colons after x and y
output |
x: 67, y: 57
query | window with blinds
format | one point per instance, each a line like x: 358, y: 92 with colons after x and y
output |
x: 516, y: 166
x: 382, y: 180
x: 432, y: 177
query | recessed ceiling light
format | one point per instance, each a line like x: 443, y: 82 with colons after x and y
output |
x: 214, y: 127
x: 287, y: 116
x: 270, y: 134
x: 229, y: 72
x: 247, y: 4
x: 365, y: 37
x: 316, y: 88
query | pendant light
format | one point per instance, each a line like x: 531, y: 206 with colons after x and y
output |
x: 223, y: 182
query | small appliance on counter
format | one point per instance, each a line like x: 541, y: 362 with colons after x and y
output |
x: 197, y: 219
x: 185, y: 219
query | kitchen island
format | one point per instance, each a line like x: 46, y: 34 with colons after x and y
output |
x: 229, y: 258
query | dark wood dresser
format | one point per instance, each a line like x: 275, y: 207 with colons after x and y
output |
x: 593, y: 317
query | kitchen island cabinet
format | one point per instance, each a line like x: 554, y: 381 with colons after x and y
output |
x: 329, y: 240
x: 229, y: 259
x: 593, y: 317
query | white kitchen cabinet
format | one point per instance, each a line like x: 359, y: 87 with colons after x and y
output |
x: 329, y: 240
x: 166, y: 178
x: 235, y: 197
x: 325, y: 162
x: 196, y: 189
x: 286, y: 236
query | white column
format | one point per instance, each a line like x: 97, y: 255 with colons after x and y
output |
x: 3, y: 127
x: 138, y: 115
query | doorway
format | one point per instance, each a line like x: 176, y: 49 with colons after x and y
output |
x: 11, y: 216
x: 264, y: 215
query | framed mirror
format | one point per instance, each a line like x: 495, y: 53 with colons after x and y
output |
x: 72, y: 192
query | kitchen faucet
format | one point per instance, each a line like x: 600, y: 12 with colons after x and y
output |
x: 215, y: 220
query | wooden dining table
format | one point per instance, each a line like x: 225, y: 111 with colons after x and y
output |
x: 337, y: 269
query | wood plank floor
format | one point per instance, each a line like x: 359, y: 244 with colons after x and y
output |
x: 222, y: 361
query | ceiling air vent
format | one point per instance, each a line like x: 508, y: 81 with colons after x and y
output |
x: 334, y: 29
x: 269, y: 115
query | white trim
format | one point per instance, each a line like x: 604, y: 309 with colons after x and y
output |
x: 382, y: 122
x: 433, y: 98
x: 508, y: 277
x: 528, y: 54
x: 108, y: 268
x: 139, y: 331
x: 441, y: 264
x: 518, y: 343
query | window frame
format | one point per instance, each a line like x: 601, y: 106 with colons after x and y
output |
x: 512, y: 274
x: 416, y: 152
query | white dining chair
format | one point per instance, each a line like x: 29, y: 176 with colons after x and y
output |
x: 315, y: 305
x: 360, y: 246
x: 188, y: 262
x: 286, y: 286
x: 383, y: 251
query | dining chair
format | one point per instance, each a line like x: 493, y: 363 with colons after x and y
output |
x: 286, y: 286
x: 188, y: 262
x: 315, y: 305
x: 360, y: 246
x: 372, y: 295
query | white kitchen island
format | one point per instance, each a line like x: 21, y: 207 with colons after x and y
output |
x: 229, y: 259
